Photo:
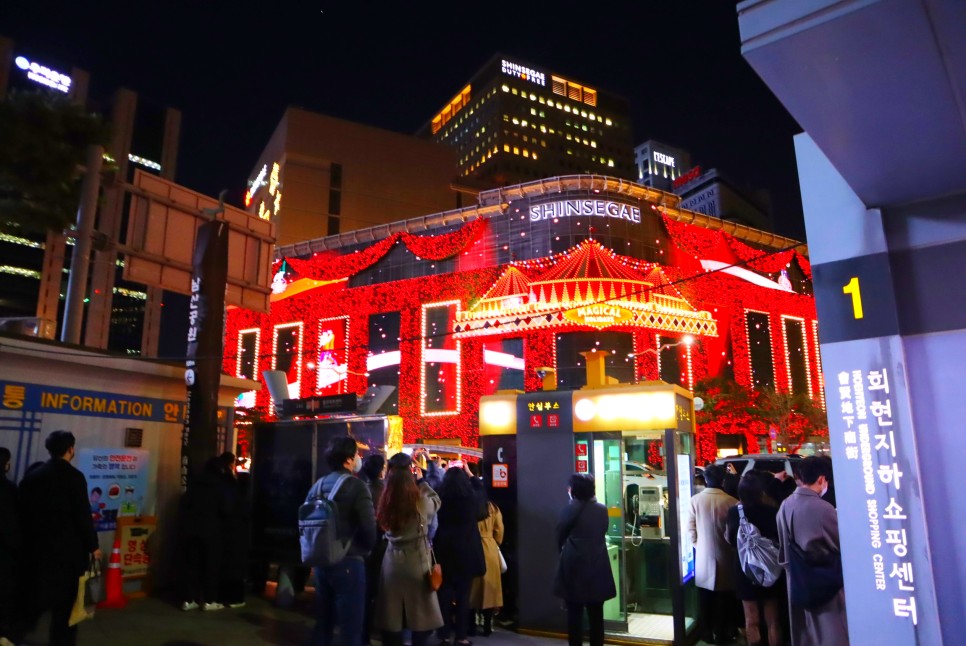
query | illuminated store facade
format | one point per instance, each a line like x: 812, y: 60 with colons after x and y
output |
x: 515, y: 122
x: 457, y: 305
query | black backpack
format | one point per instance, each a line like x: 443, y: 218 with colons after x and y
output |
x: 319, y: 527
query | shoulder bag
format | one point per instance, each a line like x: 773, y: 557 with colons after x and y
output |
x: 434, y: 575
x: 811, y: 584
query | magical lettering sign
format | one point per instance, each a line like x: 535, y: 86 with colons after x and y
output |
x: 572, y: 208
x: 602, y: 315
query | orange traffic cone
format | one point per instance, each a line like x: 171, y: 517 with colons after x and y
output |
x: 115, y: 592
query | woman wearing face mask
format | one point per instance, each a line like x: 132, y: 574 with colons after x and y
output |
x: 584, y: 579
x: 340, y: 590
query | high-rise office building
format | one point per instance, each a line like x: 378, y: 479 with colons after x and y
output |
x: 658, y: 164
x: 515, y: 122
x: 119, y: 315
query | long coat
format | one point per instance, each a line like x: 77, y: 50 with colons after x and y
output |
x: 403, y: 587
x: 814, y: 526
x: 487, y: 590
x: 583, y: 573
x: 457, y: 542
x: 57, y: 529
x: 707, y: 523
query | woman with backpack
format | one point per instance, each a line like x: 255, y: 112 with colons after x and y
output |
x: 404, y: 599
x: 761, y: 513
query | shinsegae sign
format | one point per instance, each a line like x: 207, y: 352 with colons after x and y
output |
x: 523, y: 72
x: 598, y: 208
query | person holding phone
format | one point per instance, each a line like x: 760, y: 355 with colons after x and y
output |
x: 459, y: 548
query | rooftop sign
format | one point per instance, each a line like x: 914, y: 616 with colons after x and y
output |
x: 570, y: 208
x: 523, y: 72
x: 44, y: 75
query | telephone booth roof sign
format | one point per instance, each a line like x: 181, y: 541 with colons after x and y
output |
x: 586, y: 285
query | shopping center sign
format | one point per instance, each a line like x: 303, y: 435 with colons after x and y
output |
x: 575, y: 208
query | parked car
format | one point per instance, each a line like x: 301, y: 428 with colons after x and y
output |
x: 771, y: 462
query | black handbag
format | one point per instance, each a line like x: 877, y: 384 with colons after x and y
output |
x: 812, y: 584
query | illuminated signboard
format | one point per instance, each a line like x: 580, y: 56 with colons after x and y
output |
x: 599, y: 315
x: 661, y: 158
x: 267, y: 207
x: 570, y: 208
x: 44, y: 75
x: 523, y: 72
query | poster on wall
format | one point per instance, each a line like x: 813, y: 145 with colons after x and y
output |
x: 116, y: 483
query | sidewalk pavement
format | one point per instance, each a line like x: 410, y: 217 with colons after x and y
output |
x: 154, y: 622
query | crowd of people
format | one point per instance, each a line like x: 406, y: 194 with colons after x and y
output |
x: 795, y: 515
x: 400, y: 517
x: 213, y: 537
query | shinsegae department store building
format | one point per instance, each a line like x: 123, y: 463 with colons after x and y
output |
x: 452, y: 306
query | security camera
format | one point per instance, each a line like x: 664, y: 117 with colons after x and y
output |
x: 544, y: 371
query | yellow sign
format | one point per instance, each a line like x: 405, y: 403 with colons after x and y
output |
x: 135, y: 535
x: 599, y: 315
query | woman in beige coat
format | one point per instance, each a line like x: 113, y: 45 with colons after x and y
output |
x: 487, y: 592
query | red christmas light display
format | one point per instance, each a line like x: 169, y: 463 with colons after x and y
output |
x: 726, y: 297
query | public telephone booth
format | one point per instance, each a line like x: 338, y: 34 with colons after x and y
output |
x: 638, y: 442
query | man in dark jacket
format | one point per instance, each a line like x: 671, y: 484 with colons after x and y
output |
x: 59, y: 536
x: 10, y: 545
x: 341, y: 588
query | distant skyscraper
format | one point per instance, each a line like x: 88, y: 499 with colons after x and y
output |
x: 120, y: 315
x: 515, y: 122
x: 658, y: 165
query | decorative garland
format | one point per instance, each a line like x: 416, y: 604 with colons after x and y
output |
x: 327, y: 266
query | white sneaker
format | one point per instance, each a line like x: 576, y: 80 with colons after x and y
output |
x: 187, y: 605
x: 213, y: 606
x: 240, y: 604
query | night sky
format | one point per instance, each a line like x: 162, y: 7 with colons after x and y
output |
x: 232, y: 68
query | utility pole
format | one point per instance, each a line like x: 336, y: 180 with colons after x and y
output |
x: 80, y: 261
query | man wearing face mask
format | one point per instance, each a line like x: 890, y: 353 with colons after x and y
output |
x: 812, y: 524
x: 341, y: 588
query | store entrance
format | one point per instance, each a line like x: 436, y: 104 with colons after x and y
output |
x: 631, y: 478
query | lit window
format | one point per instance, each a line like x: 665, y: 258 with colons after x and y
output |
x: 610, y: 162
x: 566, y: 108
x: 584, y: 128
x: 526, y: 153
x: 533, y: 111
x: 542, y: 113
x: 583, y: 113
x: 591, y: 115
x: 608, y: 122
x: 506, y: 148
x: 542, y: 100
x: 516, y: 151
x: 516, y: 121
x: 506, y: 88
x: 569, y: 137
x: 593, y: 144
x: 534, y: 155
x: 543, y: 142
x: 543, y: 128
x: 533, y: 97
x: 514, y: 91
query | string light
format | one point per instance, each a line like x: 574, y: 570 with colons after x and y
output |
x: 240, y: 370
x: 325, y: 325
x: 296, y: 353
x: 818, y: 365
